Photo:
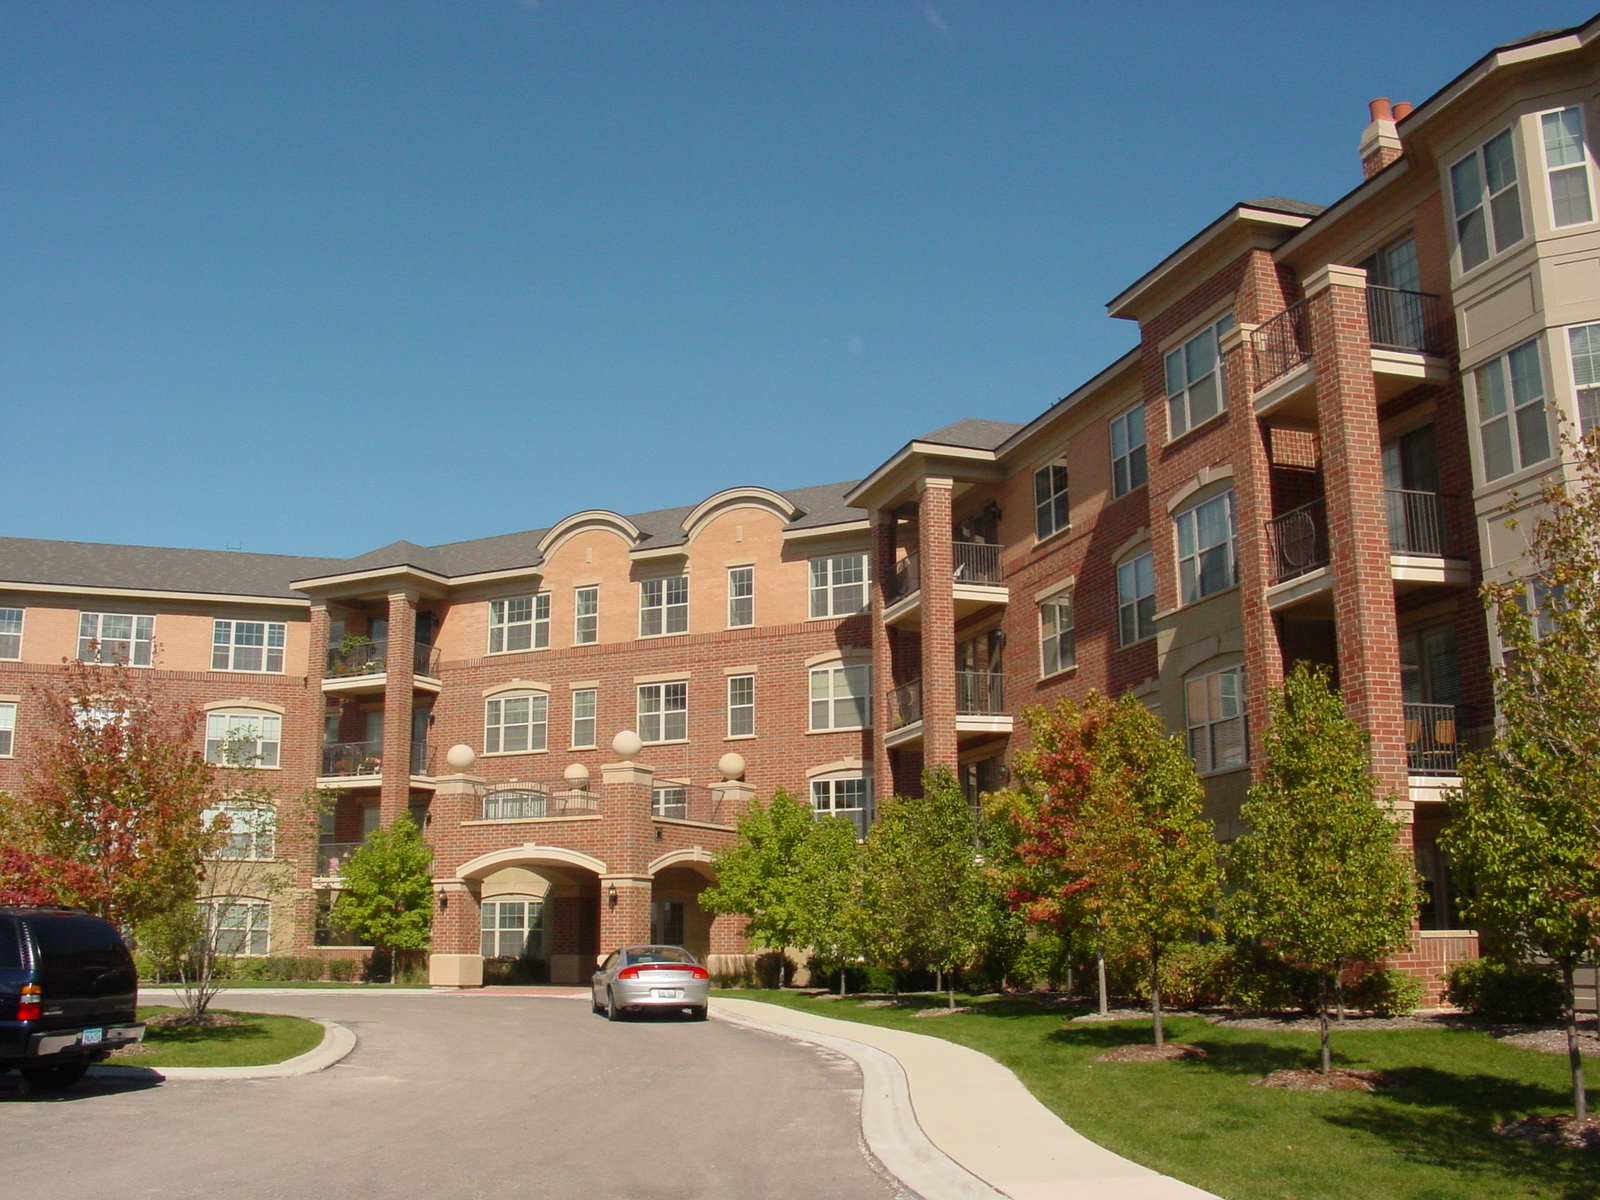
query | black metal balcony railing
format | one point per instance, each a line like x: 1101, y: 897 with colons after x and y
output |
x: 906, y: 579
x: 425, y: 660
x: 331, y: 857
x: 1433, y: 739
x: 980, y: 693
x: 905, y: 704
x: 346, y: 759
x: 372, y: 658
x: 977, y: 562
x: 1280, y: 345
x: 1402, y: 320
x: 1298, y: 541
x: 523, y: 801
x: 1416, y: 523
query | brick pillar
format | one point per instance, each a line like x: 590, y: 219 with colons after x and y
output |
x: 454, y: 961
x: 883, y: 664
x: 302, y: 839
x: 934, y: 538
x: 398, y: 689
x: 626, y: 886
x: 1358, y: 524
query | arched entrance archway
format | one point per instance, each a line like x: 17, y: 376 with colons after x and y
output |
x: 676, y: 917
x: 538, y: 913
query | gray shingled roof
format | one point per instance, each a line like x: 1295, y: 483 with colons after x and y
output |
x: 1299, y: 208
x: 155, y: 568
x: 972, y: 433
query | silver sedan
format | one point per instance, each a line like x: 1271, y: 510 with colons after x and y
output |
x: 637, y: 978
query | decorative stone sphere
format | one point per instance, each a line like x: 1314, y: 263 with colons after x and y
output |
x: 461, y: 757
x: 577, y: 775
x: 731, y: 765
x: 627, y: 745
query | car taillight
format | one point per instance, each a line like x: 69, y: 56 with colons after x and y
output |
x: 700, y: 972
x: 628, y: 973
x: 31, y: 1006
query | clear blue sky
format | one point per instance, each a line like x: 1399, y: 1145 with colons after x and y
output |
x: 311, y: 277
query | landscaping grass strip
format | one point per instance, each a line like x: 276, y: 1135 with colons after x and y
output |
x: 260, y: 1039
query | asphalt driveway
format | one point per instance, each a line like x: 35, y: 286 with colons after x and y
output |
x: 462, y: 1096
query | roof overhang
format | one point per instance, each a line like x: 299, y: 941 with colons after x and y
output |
x: 887, y: 485
x: 376, y: 581
x: 70, y: 589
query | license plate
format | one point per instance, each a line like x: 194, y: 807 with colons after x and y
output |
x: 666, y: 993
x: 91, y: 1037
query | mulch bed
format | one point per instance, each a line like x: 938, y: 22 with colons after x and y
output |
x: 941, y: 1012
x: 1341, y: 1080
x: 1151, y: 1053
x: 182, y: 1020
x: 1562, y: 1130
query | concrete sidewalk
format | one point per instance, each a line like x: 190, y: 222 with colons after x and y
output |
x: 951, y: 1122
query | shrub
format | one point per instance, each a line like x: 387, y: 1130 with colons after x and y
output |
x: 1386, y: 993
x: 343, y: 970
x: 1192, y: 975
x: 509, y: 969
x: 1257, y: 982
x: 1519, y: 992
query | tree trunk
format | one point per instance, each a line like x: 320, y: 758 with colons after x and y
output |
x: 1100, y: 973
x: 1322, y: 1021
x: 1338, y: 989
x: 950, y: 980
x: 843, y: 971
x: 1569, y: 1004
x: 1155, y: 994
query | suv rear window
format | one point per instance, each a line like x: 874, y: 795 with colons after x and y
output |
x: 62, y: 940
x: 10, y: 946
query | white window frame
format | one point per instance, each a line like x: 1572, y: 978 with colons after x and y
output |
x: 585, y: 616
x: 530, y: 926
x: 511, y: 727
x: 139, y: 644
x: 251, y: 831
x: 670, y: 800
x: 249, y: 919
x: 664, y: 606
x: 519, y: 623
x: 1495, y: 382
x: 1136, y: 607
x: 1194, y: 558
x: 1058, y: 643
x: 741, y: 597
x: 741, y: 706
x: 663, y: 712
x: 1220, y: 696
x: 1130, y: 464
x: 585, y: 717
x: 1585, y: 362
x: 1052, y: 499
x: 1182, y: 383
x: 8, y: 728
x: 1580, y: 167
x: 832, y: 596
x: 853, y: 803
x: 11, y: 633
x: 242, y: 727
x: 834, y: 692
x: 1490, y: 206
x: 235, y: 642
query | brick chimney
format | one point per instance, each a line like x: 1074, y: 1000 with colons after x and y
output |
x: 1380, y: 144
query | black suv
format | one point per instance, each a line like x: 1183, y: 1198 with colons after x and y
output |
x: 68, y: 990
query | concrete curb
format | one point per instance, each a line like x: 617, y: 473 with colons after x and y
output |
x: 953, y: 1124
x: 337, y: 1042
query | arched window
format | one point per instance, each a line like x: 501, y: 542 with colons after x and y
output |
x: 243, y: 737
x: 516, y: 722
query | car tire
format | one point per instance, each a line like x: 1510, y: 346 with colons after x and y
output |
x: 698, y: 1014
x: 54, y: 1077
x: 613, y: 1010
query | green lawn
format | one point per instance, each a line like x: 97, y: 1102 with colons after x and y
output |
x: 263, y: 1038
x: 1204, y: 1122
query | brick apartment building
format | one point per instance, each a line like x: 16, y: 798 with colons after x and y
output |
x: 1308, y: 456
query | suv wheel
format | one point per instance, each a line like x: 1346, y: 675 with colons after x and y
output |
x: 55, y: 1077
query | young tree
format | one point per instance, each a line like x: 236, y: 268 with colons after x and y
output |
x: 886, y: 919
x: 387, y: 897
x: 829, y: 862
x: 1525, y: 825
x: 111, y: 807
x: 1320, y: 877
x: 761, y: 875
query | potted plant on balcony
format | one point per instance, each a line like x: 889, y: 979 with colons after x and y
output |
x: 352, y: 656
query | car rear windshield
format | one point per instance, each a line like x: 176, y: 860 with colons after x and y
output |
x: 659, y: 954
x: 10, y: 946
x: 80, y: 939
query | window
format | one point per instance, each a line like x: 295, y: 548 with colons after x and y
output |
x: 584, y: 703
x: 663, y: 712
x: 741, y: 705
x: 247, y: 646
x: 1205, y: 549
x: 741, y: 596
x: 115, y: 638
x: 1196, y: 389
x: 664, y: 606
x: 1136, y: 599
x: 1512, y: 424
x: 670, y: 800
x: 838, y: 585
x: 666, y: 922
x: 248, y: 831
x: 1057, y: 642
x: 1567, y: 167
x: 586, y: 616
x: 8, y: 729
x: 849, y: 797
x: 1128, y: 467
x: 240, y: 927
x: 840, y: 698
x: 522, y: 623
x: 1215, y: 705
x: 243, y: 739
x: 512, y: 927
x: 515, y: 724
x: 1583, y: 341
x: 1488, y: 205
x: 1052, y: 510
x: 1429, y: 667
x: 10, y: 633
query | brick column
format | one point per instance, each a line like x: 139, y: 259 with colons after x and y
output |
x: 302, y: 843
x: 454, y: 961
x: 938, y: 624
x: 883, y: 664
x: 1358, y: 523
x: 398, y: 689
x: 625, y: 807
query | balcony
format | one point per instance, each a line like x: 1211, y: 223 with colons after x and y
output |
x: 980, y: 707
x: 907, y: 578
x: 1420, y: 544
x: 980, y: 693
x: 361, y: 667
x: 1416, y: 522
x: 977, y: 562
x: 533, y: 802
x: 904, y: 705
x: 332, y: 856
x: 362, y: 762
x: 1298, y: 541
x: 1281, y: 344
x: 976, y: 582
x: 1433, y: 739
x: 1406, y: 321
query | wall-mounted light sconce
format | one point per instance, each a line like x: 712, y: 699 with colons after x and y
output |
x: 611, y: 895
x: 444, y: 899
